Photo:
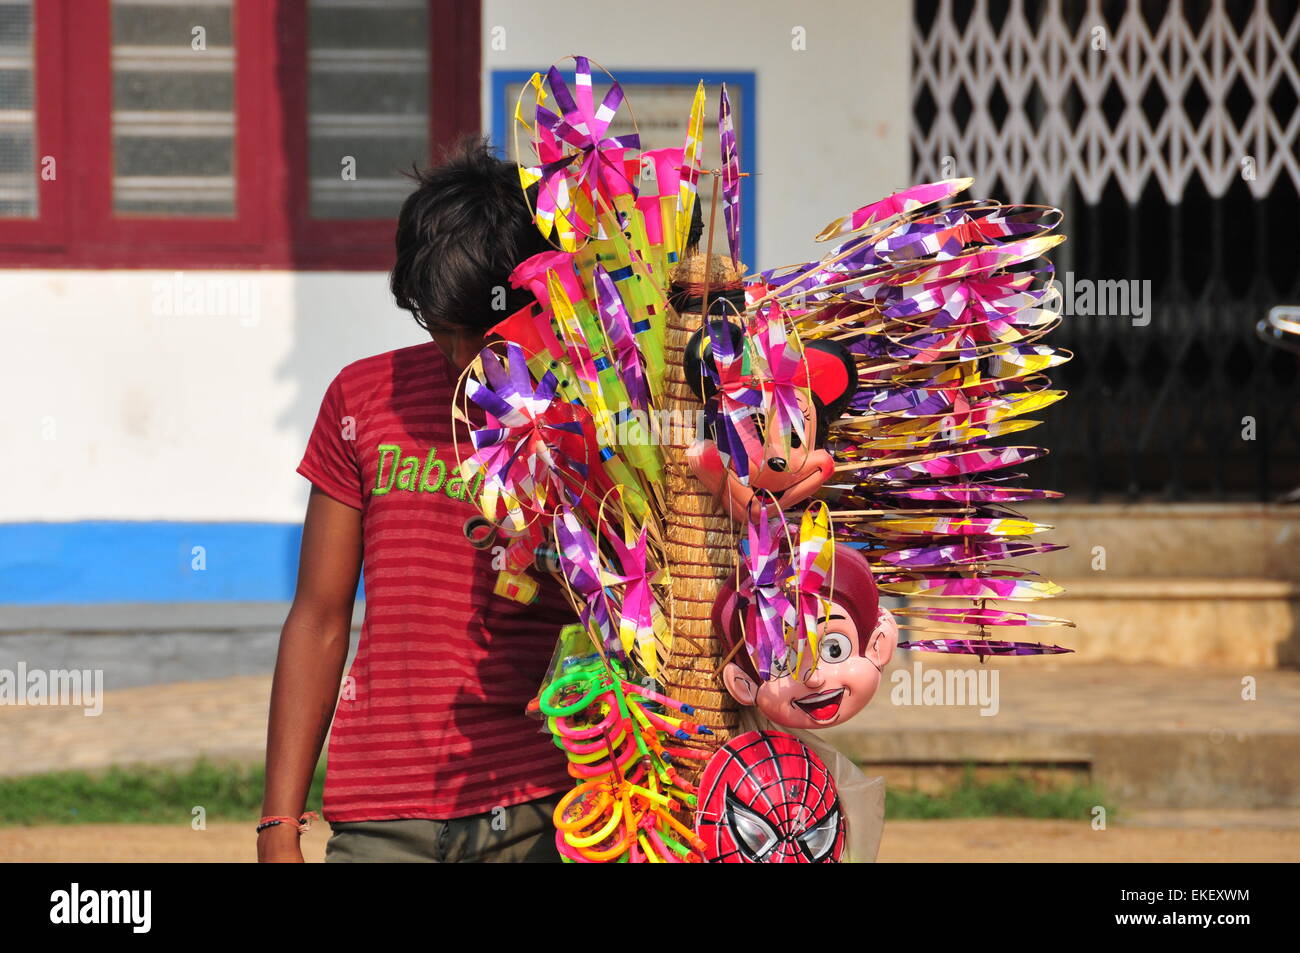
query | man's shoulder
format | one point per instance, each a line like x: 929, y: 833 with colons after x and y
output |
x: 422, y: 361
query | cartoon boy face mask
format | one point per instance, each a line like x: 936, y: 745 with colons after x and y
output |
x: 856, y: 640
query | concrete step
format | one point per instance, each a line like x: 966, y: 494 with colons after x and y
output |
x: 1190, y: 584
x: 1242, y: 623
x: 1163, y: 540
x: 1149, y: 737
x: 135, y: 644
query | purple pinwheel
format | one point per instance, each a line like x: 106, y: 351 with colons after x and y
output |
x: 943, y: 553
x: 598, y: 158
x: 618, y: 328
x: 768, y: 604
x: 534, y: 444
x: 983, y: 647
x: 579, y: 557
x: 730, y: 414
x: 730, y: 173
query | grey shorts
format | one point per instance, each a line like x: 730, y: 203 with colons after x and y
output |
x: 522, y: 834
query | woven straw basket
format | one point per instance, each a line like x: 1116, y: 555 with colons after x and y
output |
x: 701, y: 547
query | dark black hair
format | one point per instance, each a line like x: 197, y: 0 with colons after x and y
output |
x: 459, y: 235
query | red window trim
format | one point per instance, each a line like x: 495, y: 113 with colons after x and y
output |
x: 75, y: 227
x: 48, y: 229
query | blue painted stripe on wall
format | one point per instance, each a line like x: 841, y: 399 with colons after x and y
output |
x: 90, y: 562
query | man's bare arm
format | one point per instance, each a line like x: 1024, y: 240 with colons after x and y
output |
x: 309, y: 666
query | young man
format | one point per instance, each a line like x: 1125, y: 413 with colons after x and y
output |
x: 431, y: 756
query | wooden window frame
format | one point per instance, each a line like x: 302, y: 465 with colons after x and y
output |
x: 272, y: 228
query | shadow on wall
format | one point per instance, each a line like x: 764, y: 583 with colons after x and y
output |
x: 338, y: 318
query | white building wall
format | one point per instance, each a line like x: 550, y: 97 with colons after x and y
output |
x: 831, y: 119
x: 121, y: 405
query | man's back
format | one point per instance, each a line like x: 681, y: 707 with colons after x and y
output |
x: 430, y: 723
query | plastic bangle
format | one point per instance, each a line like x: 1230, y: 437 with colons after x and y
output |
x: 603, y: 800
x: 564, y: 681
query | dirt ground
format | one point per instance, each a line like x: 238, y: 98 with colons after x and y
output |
x: 986, y: 840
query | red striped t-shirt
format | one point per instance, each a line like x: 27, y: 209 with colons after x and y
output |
x: 432, y: 723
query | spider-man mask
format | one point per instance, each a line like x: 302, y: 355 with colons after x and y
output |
x: 766, y: 798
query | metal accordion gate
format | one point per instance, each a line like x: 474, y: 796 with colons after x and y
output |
x: 1169, y: 134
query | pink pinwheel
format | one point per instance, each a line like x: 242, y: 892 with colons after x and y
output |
x: 765, y: 617
x: 973, y: 460
x: 1005, y: 584
x: 579, y: 557
x: 783, y: 375
x: 580, y: 165
x: 967, y: 302
x: 900, y: 203
x: 636, y: 626
x: 533, y: 443
x: 808, y: 571
x: 967, y: 493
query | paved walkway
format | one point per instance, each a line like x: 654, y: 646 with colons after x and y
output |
x: 223, y: 718
x: 1182, y: 734
x: 1271, y: 838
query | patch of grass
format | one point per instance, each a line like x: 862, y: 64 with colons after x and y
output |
x: 148, y: 795
x: 141, y: 795
x: 1014, y: 796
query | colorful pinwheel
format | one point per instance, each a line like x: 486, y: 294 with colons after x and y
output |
x: 640, y: 624
x: 992, y: 584
x: 730, y: 414
x: 762, y: 576
x: 901, y: 202
x: 579, y: 558
x: 618, y: 329
x: 780, y: 376
x: 690, y: 167
x: 534, y: 446
x: 730, y: 173
x: 809, y: 568
x: 580, y: 166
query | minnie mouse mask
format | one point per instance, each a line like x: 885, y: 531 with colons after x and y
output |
x: 756, y: 459
x: 857, y: 638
